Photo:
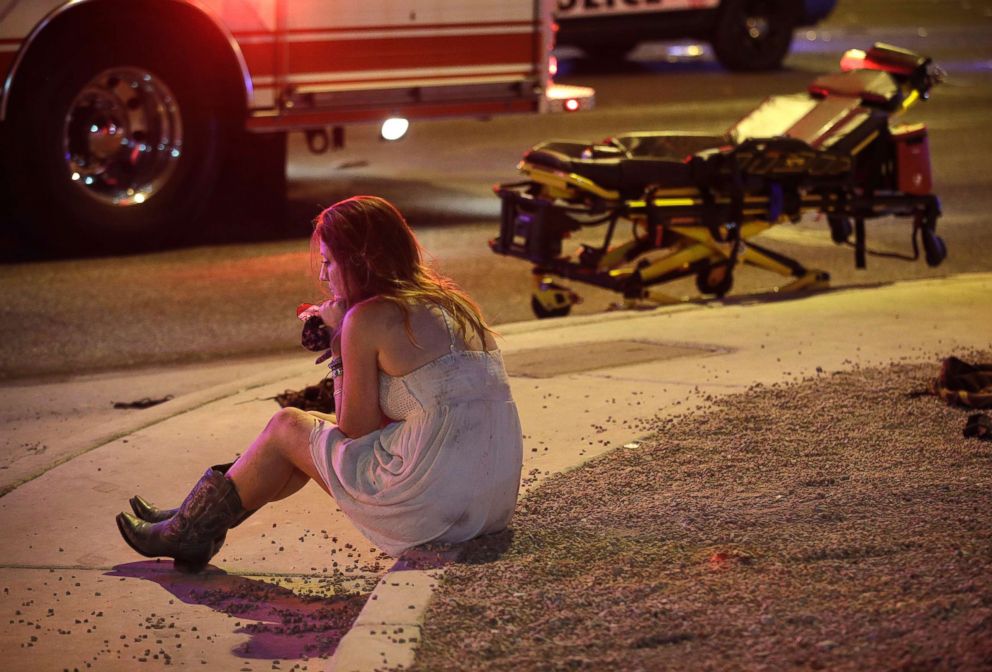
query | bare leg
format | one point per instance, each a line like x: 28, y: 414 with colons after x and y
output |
x: 278, y: 462
x: 294, y: 484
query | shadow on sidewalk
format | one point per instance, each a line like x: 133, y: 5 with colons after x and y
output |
x: 287, y: 625
x: 480, y: 550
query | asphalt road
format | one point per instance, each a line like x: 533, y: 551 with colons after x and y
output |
x: 218, y: 301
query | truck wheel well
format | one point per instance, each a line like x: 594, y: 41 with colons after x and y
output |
x: 179, y: 21
x: 119, y: 126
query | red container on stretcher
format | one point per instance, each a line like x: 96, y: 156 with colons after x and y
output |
x: 912, y: 159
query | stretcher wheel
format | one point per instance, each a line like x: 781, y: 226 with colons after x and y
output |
x: 541, y: 312
x: 934, y: 247
x: 840, y: 229
x: 717, y: 279
x: 551, y: 299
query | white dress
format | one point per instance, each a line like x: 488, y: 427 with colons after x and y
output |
x: 446, y: 470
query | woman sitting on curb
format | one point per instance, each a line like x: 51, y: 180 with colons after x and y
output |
x: 426, y: 445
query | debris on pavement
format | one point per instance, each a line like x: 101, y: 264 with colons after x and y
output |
x: 964, y: 384
x: 319, y: 397
x: 144, y: 402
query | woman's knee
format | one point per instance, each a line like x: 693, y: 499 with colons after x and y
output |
x: 290, y: 425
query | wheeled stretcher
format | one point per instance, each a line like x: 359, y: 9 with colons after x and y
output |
x: 694, y: 202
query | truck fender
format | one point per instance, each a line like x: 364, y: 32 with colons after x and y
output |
x: 79, y: 9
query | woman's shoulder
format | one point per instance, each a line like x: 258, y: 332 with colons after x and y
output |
x: 384, y: 313
x: 372, y: 312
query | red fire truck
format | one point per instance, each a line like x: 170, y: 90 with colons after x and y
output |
x: 118, y: 118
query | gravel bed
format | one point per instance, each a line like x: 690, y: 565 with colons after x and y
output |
x: 836, y: 523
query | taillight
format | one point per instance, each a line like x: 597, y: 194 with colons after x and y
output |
x: 853, y: 59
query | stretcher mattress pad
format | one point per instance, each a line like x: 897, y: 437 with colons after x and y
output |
x: 609, y: 168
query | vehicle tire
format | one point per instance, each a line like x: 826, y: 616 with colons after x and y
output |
x: 753, y: 35
x: 541, y: 312
x: 716, y: 279
x: 607, y: 54
x: 117, y: 137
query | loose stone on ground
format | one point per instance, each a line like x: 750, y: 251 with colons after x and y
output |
x: 838, y: 523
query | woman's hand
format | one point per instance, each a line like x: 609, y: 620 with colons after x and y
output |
x: 332, y: 313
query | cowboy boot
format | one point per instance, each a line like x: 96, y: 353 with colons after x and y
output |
x: 148, y: 512
x: 190, y: 536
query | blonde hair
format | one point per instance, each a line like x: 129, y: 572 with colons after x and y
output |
x: 379, y: 256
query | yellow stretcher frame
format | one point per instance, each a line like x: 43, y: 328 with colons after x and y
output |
x: 693, y: 246
x: 695, y: 243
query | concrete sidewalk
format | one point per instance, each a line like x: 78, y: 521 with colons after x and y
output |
x: 296, y: 577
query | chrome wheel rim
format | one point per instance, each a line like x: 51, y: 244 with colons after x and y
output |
x: 122, y: 137
x: 757, y: 28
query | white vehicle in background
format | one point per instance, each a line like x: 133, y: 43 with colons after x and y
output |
x: 120, y: 120
x: 745, y: 34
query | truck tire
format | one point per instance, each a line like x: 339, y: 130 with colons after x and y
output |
x: 607, y: 54
x: 116, y: 139
x: 753, y: 35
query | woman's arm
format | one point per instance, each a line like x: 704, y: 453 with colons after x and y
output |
x: 356, y: 391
